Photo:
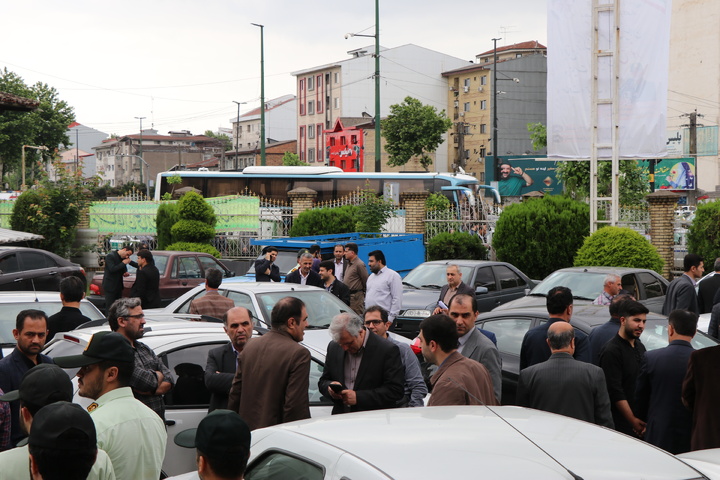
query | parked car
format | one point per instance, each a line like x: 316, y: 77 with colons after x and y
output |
x: 179, y: 272
x: 464, y: 442
x: 32, y: 269
x: 586, y: 283
x: 260, y: 298
x: 183, y: 346
x: 510, y: 326
x: 495, y: 283
x: 12, y: 303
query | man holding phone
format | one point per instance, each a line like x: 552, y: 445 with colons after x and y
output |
x: 265, y: 268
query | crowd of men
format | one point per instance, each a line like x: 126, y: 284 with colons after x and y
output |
x: 666, y: 396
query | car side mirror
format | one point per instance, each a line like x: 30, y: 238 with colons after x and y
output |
x: 481, y: 290
x: 527, y: 292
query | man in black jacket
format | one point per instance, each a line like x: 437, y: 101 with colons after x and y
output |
x: 454, y: 287
x: 72, y: 291
x: 304, y: 275
x: 147, y: 281
x: 265, y: 268
x: 115, y: 269
x: 332, y: 284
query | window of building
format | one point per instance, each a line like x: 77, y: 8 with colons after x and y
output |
x: 518, y: 55
x: 311, y: 107
x: 311, y: 83
x: 466, y: 154
x: 353, y: 139
x: 302, y: 133
x: 319, y: 130
x: 482, y: 153
x: 319, y: 106
x: 311, y: 131
x: 466, y: 129
x: 302, y: 85
x: 302, y: 155
x: 343, y: 141
x: 337, y: 102
x: 483, y: 128
x: 311, y: 154
x: 319, y: 81
x: 332, y: 141
x: 483, y: 80
x: 466, y: 106
x: 337, y: 77
x: 249, y: 128
x: 483, y: 104
x: 319, y: 155
x: 466, y: 82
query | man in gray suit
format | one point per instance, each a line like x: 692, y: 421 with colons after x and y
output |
x: 564, y: 385
x: 681, y: 293
x: 473, y: 344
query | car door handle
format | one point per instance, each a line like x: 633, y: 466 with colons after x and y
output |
x: 18, y: 280
x: 169, y: 423
x: 52, y: 273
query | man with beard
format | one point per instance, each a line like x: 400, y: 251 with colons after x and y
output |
x: 132, y: 435
x: 222, y: 361
x: 151, y: 379
x: 512, y: 180
x: 355, y: 277
x: 681, y: 294
x: 621, y: 359
x: 30, y: 333
x: 339, y: 262
x: 332, y: 284
x: 147, y: 281
x: 384, y: 286
x: 115, y: 269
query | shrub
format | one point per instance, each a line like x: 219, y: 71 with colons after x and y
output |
x: 192, y: 206
x: 166, y: 217
x: 25, y: 211
x: 373, y: 212
x: 618, y: 247
x: 192, y: 231
x: 194, y: 247
x: 324, y: 221
x: 704, y: 232
x: 458, y: 245
x: 541, y: 235
x: 437, y: 201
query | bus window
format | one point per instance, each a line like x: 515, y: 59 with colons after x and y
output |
x: 276, y: 189
x: 347, y: 186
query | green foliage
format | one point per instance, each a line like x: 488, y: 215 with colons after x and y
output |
x: 25, y: 211
x: 704, y: 232
x: 192, y: 206
x: 373, y: 212
x: 437, y: 201
x: 225, y: 139
x: 324, y: 221
x: 194, y: 247
x: 413, y: 130
x: 576, y: 178
x: 538, y: 135
x: 456, y: 245
x: 541, y: 235
x: 618, y: 247
x: 291, y: 159
x: 166, y: 217
x: 192, y: 231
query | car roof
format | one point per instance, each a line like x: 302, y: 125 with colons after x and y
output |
x: 236, y: 284
x: 17, y: 297
x: 465, y: 263
x: 481, y: 440
x: 605, y: 270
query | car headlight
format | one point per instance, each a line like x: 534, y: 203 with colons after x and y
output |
x: 416, y: 313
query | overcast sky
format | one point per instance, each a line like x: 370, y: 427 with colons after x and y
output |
x: 181, y: 63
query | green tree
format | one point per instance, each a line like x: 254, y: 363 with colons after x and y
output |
x: 373, y: 212
x: 167, y: 215
x: 541, y: 235
x: 225, y: 139
x: 173, y: 180
x: 618, y: 247
x: 325, y: 221
x: 196, y: 224
x: 538, y: 135
x: 413, y: 130
x: 704, y: 232
x: 291, y: 159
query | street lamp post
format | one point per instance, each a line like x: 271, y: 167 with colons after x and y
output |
x: 262, y: 95
x: 494, y: 112
x: 23, y: 187
x: 140, y: 152
x: 237, y: 132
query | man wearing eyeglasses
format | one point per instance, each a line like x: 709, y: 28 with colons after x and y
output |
x: 151, y: 379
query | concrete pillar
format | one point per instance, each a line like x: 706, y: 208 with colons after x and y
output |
x: 415, y: 214
x: 662, y: 204
x: 302, y: 199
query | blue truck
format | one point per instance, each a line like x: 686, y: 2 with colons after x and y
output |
x: 403, y: 251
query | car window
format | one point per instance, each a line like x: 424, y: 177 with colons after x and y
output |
x: 187, y: 267
x: 9, y: 264
x: 283, y: 466
x: 242, y: 300
x: 160, y: 262
x: 485, y: 278
x: 628, y: 283
x: 35, y: 261
x: 508, y: 278
x: 185, y: 307
x: 584, y: 285
x: 433, y: 275
x: 509, y: 333
x: 321, y: 306
x: 654, y: 287
x: 209, y: 262
x: 316, y: 370
x: 188, y: 366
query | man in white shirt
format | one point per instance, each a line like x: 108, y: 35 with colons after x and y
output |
x: 384, y: 286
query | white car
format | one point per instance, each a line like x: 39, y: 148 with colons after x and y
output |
x: 459, y: 443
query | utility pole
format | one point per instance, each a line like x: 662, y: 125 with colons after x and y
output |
x: 494, y: 112
x: 262, y: 94
x: 237, y: 132
x: 140, y: 154
x: 378, y: 152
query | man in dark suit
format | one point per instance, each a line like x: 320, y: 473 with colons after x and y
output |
x: 602, y: 334
x: 265, y: 268
x: 274, y: 371
x: 564, y: 385
x: 681, y: 293
x: 222, y: 361
x: 367, y: 367
x: 659, y: 387
x: 72, y: 291
x: 115, y: 269
x: 534, y: 347
x: 332, y: 284
x: 701, y: 394
x: 147, y: 281
x: 30, y: 333
x: 454, y: 286
x: 304, y: 275
x: 709, y: 288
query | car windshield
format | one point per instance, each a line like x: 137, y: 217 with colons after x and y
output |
x: 8, y: 312
x: 584, y: 285
x: 655, y: 336
x: 321, y: 306
x: 432, y: 276
x: 160, y: 263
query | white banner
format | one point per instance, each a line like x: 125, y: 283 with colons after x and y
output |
x: 643, y: 82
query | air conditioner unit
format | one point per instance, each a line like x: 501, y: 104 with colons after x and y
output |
x: 466, y: 89
x: 462, y: 114
x: 457, y: 104
x: 481, y: 89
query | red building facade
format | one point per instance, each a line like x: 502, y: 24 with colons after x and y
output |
x: 345, y: 147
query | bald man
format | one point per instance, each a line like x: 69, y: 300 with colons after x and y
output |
x: 564, y: 385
